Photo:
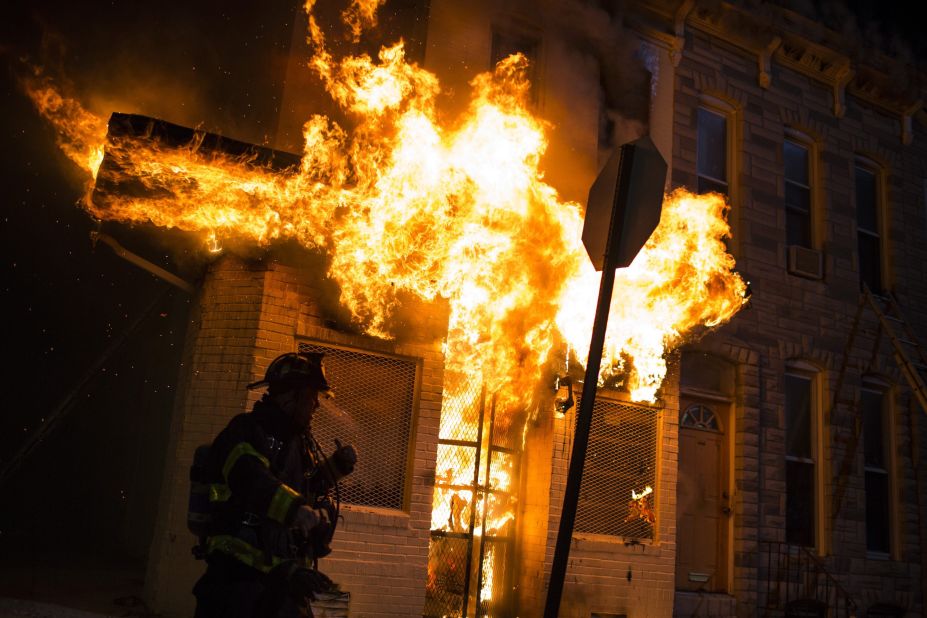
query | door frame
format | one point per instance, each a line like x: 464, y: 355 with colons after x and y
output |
x: 724, y: 409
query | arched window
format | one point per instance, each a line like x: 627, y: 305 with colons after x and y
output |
x: 700, y: 416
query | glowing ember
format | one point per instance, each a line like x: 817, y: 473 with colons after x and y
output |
x: 458, y: 210
x: 639, y: 507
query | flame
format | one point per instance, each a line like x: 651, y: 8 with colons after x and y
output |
x: 460, y: 213
x: 456, y: 210
x: 681, y: 280
x: 79, y: 133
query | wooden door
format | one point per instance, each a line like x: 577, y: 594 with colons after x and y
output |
x: 701, y: 507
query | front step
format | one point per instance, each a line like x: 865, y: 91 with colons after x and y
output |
x: 714, y: 604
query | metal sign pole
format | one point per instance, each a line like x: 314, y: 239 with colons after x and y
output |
x: 580, y: 443
x: 629, y: 191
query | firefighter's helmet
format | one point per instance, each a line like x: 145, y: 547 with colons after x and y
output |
x: 294, y: 370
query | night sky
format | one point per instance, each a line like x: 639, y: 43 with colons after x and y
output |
x: 64, y: 303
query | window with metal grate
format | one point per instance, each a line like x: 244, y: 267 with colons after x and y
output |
x: 621, y: 464
x: 376, y: 398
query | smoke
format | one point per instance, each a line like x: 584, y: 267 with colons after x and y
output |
x: 596, y: 32
x: 195, y: 64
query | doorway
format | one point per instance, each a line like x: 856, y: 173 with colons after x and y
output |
x: 703, y: 505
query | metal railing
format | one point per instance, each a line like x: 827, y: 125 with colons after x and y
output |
x: 798, y: 583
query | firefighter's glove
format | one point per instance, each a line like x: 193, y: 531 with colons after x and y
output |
x: 321, y: 538
x: 343, y: 460
x: 304, y: 583
x: 308, y: 519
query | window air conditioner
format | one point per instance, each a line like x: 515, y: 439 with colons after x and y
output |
x: 806, y: 262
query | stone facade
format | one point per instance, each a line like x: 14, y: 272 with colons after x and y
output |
x: 793, y: 319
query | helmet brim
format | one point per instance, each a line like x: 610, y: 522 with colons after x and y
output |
x: 259, y: 384
x: 327, y: 393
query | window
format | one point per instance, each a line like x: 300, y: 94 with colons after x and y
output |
x: 869, y: 240
x: 798, y: 202
x: 621, y: 463
x: 504, y: 44
x: 876, y: 464
x: 374, y: 408
x: 699, y: 416
x: 800, y: 459
x: 711, y: 158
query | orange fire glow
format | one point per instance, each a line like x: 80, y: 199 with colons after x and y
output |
x: 459, y: 210
x: 80, y: 134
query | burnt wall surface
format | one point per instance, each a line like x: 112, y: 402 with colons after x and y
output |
x: 795, y: 321
x: 248, y: 313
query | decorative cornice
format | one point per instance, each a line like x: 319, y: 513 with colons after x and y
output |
x: 741, y: 30
x: 819, y: 63
x: 792, y: 40
x: 881, y: 91
x: 663, y: 22
x: 679, y: 30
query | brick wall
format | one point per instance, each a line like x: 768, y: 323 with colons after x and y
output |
x: 247, y: 314
x: 793, y: 318
x: 218, y: 362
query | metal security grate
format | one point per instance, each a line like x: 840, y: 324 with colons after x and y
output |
x: 373, y: 409
x: 622, y: 458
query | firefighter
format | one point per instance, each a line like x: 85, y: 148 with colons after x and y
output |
x: 272, y: 512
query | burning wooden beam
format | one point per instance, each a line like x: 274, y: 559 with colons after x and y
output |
x: 135, y: 132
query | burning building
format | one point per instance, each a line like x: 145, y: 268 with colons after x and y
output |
x: 739, y: 461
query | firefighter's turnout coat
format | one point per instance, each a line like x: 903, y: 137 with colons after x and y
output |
x: 262, y: 469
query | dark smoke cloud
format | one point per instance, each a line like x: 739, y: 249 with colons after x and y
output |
x: 595, y: 30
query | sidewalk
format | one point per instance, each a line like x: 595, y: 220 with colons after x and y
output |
x: 70, y: 590
x: 18, y: 608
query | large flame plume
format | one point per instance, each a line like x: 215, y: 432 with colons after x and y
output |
x: 459, y: 212
x: 405, y: 205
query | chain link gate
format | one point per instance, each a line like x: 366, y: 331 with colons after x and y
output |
x: 471, y: 554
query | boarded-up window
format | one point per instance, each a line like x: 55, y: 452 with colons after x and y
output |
x: 621, y: 458
x: 374, y: 408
